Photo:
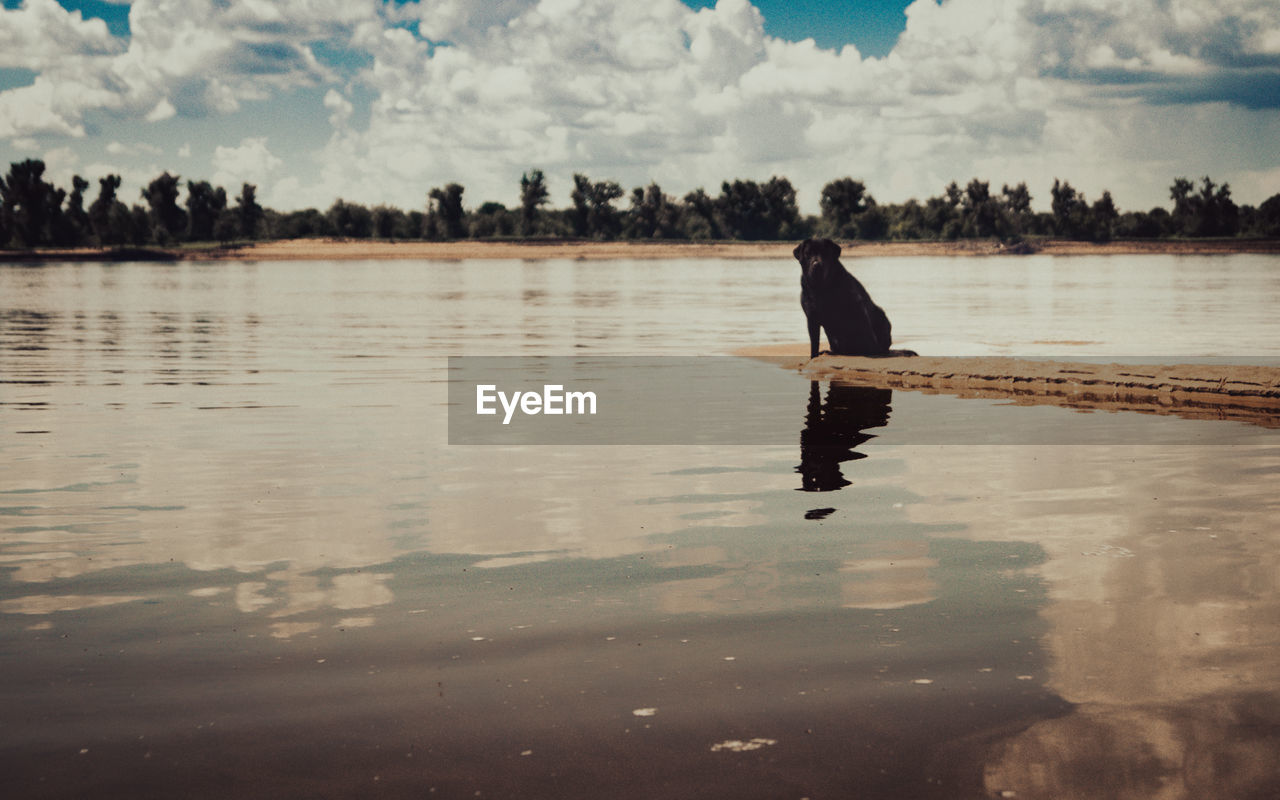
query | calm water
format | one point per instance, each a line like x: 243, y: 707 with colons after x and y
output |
x: 238, y: 558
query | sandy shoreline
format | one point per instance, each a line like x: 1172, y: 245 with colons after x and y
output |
x: 364, y: 249
x: 1194, y: 391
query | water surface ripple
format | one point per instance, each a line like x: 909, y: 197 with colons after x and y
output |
x: 238, y: 558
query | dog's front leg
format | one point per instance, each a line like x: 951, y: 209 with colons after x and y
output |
x: 814, y: 327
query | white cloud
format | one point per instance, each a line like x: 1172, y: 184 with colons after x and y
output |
x: 162, y: 111
x: 31, y: 109
x: 461, y: 21
x: 1007, y: 90
x: 1140, y: 47
x: 192, y: 57
x: 133, y: 178
x: 115, y: 148
x: 638, y: 93
x: 1261, y: 183
x: 248, y: 162
x: 340, y: 108
x: 60, y: 165
x: 40, y: 34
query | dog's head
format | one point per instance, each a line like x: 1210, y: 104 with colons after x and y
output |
x: 817, y: 256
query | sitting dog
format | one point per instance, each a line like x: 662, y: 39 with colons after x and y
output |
x: 834, y: 301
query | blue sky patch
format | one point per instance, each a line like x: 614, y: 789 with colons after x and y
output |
x: 873, y: 26
x: 116, y: 15
x: 15, y: 77
x: 345, y: 60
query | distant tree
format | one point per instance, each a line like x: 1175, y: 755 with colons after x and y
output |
x: 249, y: 215
x: 906, y: 221
x: 1266, y: 221
x: 593, y: 212
x: 653, y: 215
x: 113, y: 222
x: 1163, y: 221
x: 873, y: 224
x: 953, y: 194
x: 204, y: 205
x: 445, y: 216
x: 349, y: 220
x: 666, y: 212
x: 1183, y: 205
x: 842, y: 202
x: 1142, y: 224
x: 1074, y: 218
x: 849, y: 211
x: 1227, y: 216
x: 227, y: 227
x: 73, y: 228
x: 1103, y: 217
x: 1208, y: 212
x: 641, y: 219
x: 389, y: 222
x: 699, y: 217
x: 29, y: 205
x: 1015, y: 203
x: 1017, y: 199
x: 753, y: 211
x: 981, y: 214
x: 493, y: 219
x: 58, y: 230
x: 136, y: 221
x: 1070, y: 211
x: 100, y: 212
x: 300, y: 224
x: 580, y: 197
x: 168, y: 221
x: 533, y: 195
x: 557, y: 223
x: 942, y: 215
x: 415, y: 224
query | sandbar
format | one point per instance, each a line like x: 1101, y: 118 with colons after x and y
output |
x: 1239, y: 392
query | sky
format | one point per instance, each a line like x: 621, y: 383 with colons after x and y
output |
x: 378, y: 102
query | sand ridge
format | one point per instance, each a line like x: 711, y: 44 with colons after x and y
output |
x: 1196, y: 391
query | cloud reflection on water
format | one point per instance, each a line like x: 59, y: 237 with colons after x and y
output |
x: 244, y: 464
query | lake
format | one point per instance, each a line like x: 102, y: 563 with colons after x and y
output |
x: 240, y: 558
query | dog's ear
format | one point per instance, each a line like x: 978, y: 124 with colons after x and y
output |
x: 834, y: 248
x: 799, y: 251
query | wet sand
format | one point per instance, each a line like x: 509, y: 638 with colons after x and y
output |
x: 532, y: 249
x: 1195, y: 391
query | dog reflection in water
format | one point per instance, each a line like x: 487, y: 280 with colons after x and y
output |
x: 833, y: 427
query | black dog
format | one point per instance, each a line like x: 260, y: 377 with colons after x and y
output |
x: 835, y: 301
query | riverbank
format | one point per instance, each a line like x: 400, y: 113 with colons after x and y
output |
x: 1194, y: 391
x: 532, y: 249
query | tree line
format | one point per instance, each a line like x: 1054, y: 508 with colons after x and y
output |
x: 36, y: 213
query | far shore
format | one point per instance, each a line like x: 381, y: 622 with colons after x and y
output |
x: 534, y: 249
